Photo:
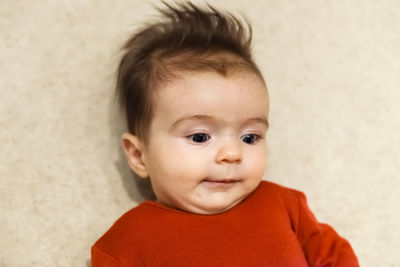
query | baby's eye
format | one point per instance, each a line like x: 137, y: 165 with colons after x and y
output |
x: 199, y: 137
x: 250, y: 138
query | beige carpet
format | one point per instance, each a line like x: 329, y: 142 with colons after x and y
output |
x: 333, y: 72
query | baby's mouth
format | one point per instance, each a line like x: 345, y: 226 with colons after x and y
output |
x: 220, y: 182
x: 224, y: 181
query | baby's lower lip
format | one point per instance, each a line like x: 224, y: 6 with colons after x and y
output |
x: 221, y: 182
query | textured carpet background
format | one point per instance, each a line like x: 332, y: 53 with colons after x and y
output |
x: 333, y: 72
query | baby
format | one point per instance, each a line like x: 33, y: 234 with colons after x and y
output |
x: 197, y: 110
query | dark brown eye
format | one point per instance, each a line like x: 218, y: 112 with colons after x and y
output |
x: 199, y: 137
x: 250, y: 138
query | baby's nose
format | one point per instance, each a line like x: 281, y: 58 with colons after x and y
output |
x: 229, y: 152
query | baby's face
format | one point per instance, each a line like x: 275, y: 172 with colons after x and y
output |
x: 207, y: 142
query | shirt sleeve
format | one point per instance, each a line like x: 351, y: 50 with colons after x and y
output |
x: 102, y: 259
x: 322, y: 246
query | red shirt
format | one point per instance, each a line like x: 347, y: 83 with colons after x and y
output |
x: 271, y: 227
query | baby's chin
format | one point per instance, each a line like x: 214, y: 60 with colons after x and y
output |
x: 212, y: 208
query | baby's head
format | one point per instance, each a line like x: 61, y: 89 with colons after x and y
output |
x: 197, y: 109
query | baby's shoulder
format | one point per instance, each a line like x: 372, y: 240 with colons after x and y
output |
x: 274, y: 190
x: 281, y: 201
x: 134, y: 219
x: 128, y: 229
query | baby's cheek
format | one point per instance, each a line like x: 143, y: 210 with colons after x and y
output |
x: 257, y: 165
x: 184, y: 164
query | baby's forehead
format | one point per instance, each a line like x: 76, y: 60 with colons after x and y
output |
x: 212, y: 97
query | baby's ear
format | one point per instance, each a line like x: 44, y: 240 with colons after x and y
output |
x: 133, y: 148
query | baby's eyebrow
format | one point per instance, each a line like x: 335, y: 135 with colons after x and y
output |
x: 262, y: 120
x: 197, y: 117
x: 200, y: 117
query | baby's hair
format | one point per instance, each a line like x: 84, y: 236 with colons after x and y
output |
x: 186, y: 39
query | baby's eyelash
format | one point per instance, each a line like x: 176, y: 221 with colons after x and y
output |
x: 200, y: 138
x: 251, y: 138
